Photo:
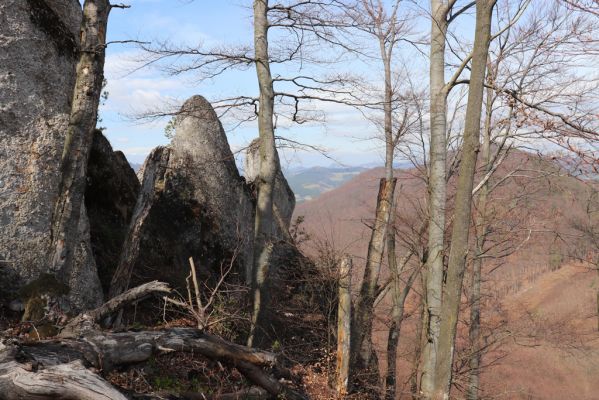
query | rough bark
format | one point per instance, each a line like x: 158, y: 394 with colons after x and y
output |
x: 344, y: 327
x: 69, y: 381
x: 463, y: 200
x: 263, y: 226
x: 91, y: 318
x: 436, y: 197
x: 44, y: 364
x: 77, y: 146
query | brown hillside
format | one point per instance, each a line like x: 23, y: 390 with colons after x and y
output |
x: 531, y: 307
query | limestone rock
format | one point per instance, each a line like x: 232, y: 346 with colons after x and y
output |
x: 38, y: 41
x: 110, y: 197
x: 202, y: 157
x: 192, y: 203
x: 283, y: 196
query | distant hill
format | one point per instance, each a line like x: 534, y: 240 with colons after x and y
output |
x: 534, y: 206
x: 135, y: 166
x: 310, y: 183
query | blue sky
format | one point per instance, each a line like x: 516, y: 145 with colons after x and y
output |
x: 210, y: 22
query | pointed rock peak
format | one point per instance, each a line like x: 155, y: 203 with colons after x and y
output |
x: 200, y: 135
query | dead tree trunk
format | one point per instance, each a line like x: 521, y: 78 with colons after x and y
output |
x: 263, y: 226
x: 344, y: 327
x: 463, y: 200
x: 84, y: 112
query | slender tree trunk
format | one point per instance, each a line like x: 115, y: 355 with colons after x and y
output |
x: 482, y: 230
x: 344, y: 327
x: 82, y: 122
x: 362, y: 350
x: 463, y: 200
x: 436, y: 198
x: 418, y: 351
x: 263, y: 226
x: 399, y: 295
x: 362, y: 335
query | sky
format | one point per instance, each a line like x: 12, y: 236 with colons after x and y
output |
x: 133, y: 90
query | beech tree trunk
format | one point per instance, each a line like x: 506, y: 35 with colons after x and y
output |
x: 83, y: 118
x: 463, y: 200
x: 362, y: 348
x: 436, y: 198
x: 481, y: 224
x: 263, y: 234
x: 399, y: 293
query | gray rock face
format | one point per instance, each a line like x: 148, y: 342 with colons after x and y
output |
x: 110, y: 197
x: 202, y: 156
x: 38, y: 40
x: 283, y: 196
x: 192, y: 203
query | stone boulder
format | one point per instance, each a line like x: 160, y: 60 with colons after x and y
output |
x: 110, y: 197
x: 38, y: 44
x: 202, y: 157
x: 192, y: 203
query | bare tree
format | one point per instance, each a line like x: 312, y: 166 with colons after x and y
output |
x: 263, y: 227
x: 440, y: 19
x: 82, y: 122
x: 282, y: 96
x: 463, y: 200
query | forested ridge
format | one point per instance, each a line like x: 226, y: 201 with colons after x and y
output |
x: 464, y: 266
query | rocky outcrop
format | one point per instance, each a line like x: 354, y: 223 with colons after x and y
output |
x: 192, y: 203
x: 283, y: 196
x: 203, y: 158
x: 38, y: 41
x: 110, y: 197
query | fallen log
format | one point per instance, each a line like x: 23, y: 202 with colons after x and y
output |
x: 67, y: 366
x: 90, y: 319
x: 253, y: 393
x: 68, y: 381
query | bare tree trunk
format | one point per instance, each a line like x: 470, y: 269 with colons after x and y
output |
x: 463, y: 199
x: 362, y: 345
x: 344, y: 327
x: 266, y: 179
x: 482, y: 231
x: 417, y: 352
x: 362, y: 350
x: 400, y: 294
x: 436, y: 197
x: 82, y: 122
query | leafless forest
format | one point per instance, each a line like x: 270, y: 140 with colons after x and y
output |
x: 464, y: 266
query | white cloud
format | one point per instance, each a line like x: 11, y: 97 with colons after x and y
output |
x: 137, y: 151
